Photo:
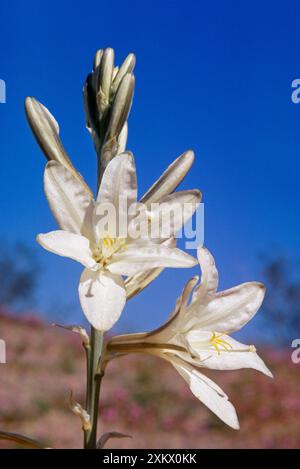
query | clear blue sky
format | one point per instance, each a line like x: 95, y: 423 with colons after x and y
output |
x: 211, y: 76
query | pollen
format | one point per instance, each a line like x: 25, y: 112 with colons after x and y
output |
x: 219, y: 344
x: 107, y: 247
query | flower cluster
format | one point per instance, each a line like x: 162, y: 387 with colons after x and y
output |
x: 119, y: 264
x: 194, y: 336
x: 105, y: 255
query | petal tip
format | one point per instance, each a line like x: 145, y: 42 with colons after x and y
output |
x: 236, y: 426
x: 189, y: 156
x: 269, y: 373
x: 38, y: 238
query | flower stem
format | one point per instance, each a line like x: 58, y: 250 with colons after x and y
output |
x: 94, y: 377
x: 94, y: 355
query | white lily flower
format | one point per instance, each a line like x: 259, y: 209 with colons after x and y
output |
x: 158, y: 193
x: 105, y: 256
x: 196, y: 335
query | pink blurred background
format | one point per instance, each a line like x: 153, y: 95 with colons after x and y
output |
x: 141, y: 396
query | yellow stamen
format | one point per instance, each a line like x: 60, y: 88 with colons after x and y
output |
x: 107, y: 247
x: 217, y: 342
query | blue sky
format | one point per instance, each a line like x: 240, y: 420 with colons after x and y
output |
x: 211, y: 76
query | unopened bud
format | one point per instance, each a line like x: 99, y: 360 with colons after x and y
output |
x: 97, y: 59
x: 170, y: 179
x: 122, y: 140
x: 115, y: 72
x: 121, y: 106
x: 105, y: 79
x: 46, y: 131
x: 126, y: 67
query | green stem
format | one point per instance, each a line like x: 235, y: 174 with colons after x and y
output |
x: 94, y: 355
x: 93, y: 387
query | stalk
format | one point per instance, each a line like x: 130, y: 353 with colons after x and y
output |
x: 94, y: 377
x: 101, y: 123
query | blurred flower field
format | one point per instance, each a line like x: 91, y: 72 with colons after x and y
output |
x: 141, y: 396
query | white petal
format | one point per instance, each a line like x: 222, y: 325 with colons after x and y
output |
x: 170, y: 179
x: 208, y: 393
x: 209, y: 278
x: 136, y: 283
x: 69, y: 200
x: 171, y: 214
x: 67, y: 244
x: 119, y: 181
x: 102, y: 297
x: 140, y: 280
x: 169, y: 329
x: 237, y: 355
x: 142, y: 257
x: 231, y: 309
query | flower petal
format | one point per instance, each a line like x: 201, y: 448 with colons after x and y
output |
x: 233, y: 355
x: 231, y: 309
x: 102, y: 297
x: 209, y: 278
x: 207, y: 392
x: 147, y: 256
x: 170, y: 179
x: 136, y: 283
x: 171, y: 214
x: 67, y: 244
x: 118, y: 186
x: 170, y: 328
x: 71, y: 203
x: 140, y: 280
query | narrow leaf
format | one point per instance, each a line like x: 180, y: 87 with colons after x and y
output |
x: 107, y: 436
x: 22, y: 440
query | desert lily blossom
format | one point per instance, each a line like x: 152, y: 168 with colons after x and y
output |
x: 105, y: 256
x: 197, y: 336
x: 158, y: 193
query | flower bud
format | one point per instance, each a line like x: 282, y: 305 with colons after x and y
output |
x: 90, y: 109
x: 121, y: 106
x: 170, y: 179
x: 105, y: 78
x: 46, y: 131
x: 96, y: 69
x: 115, y: 72
x: 122, y: 140
x: 126, y: 67
x: 97, y: 59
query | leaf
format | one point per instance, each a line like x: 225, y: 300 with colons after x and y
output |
x: 78, y: 330
x: 107, y: 436
x: 22, y: 440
